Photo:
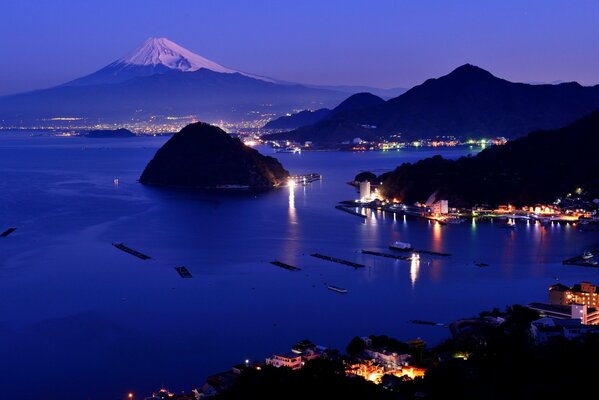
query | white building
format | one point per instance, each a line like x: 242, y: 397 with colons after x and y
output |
x: 365, y: 191
x: 440, y: 207
x: 289, y: 360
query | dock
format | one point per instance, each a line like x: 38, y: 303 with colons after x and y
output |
x: 581, y: 262
x: 431, y: 253
x: 129, y: 250
x: 285, y: 266
x: 420, y: 322
x: 350, y: 211
x: 184, y: 272
x: 338, y: 260
x: 386, y: 255
x: 7, y: 232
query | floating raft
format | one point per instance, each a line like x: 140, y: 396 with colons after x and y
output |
x: 338, y: 260
x: 184, y: 272
x: 420, y: 322
x: 387, y: 255
x: 129, y: 250
x: 285, y: 266
x: 350, y: 211
x: 7, y: 232
x: 432, y: 253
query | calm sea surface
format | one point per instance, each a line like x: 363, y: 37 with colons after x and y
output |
x: 80, y: 319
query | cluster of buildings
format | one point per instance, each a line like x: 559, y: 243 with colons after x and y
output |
x: 378, y: 365
x: 571, y: 312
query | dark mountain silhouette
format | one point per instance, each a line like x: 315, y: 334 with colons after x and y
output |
x: 297, y: 120
x: 205, y: 156
x: 537, y: 168
x: 468, y: 102
x: 336, y: 126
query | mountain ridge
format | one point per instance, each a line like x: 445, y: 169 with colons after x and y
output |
x: 469, y: 101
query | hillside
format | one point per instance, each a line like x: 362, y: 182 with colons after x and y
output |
x: 533, y: 169
x: 297, y: 120
x: 468, y: 102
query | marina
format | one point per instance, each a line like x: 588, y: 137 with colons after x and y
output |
x: 183, y: 272
x: 129, y: 250
x: 7, y: 232
x: 338, y: 260
x: 285, y: 266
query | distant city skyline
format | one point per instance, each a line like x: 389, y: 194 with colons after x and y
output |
x: 381, y: 43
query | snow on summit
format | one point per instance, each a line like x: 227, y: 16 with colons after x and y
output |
x: 161, y: 51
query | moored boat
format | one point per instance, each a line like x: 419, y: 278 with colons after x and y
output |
x: 400, y: 246
x: 337, y: 289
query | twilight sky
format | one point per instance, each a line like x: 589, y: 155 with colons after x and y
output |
x: 384, y: 43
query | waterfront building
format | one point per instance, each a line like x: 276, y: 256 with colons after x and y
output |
x: 580, y: 293
x: 587, y: 315
x: 545, y: 329
x: 440, y: 207
x: 365, y: 191
x: 289, y: 360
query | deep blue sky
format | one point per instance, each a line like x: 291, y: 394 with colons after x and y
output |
x: 372, y: 42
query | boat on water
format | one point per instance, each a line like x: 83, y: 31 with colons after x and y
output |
x: 456, y: 220
x: 293, y: 150
x: 587, y: 255
x: 403, y: 246
x: 337, y: 289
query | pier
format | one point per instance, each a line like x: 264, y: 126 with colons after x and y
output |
x: 386, y: 255
x: 420, y: 322
x: 350, y: 211
x: 338, y: 260
x: 129, y: 250
x: 582, y: 262
x: 307, y: 178
x: 7, y: 232
x: 285, y: 266
x: 430, y: 253
x: 183, y: 272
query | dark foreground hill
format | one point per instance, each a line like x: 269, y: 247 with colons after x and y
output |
x: 534, y: 169
x: 204, y: 156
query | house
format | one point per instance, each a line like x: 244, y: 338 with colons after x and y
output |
x: 289, y: 360
x: 544, y: 329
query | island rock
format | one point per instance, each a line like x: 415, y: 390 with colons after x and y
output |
x: 203, y: 156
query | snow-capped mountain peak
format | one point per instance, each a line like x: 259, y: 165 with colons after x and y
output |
x: 161, y: 51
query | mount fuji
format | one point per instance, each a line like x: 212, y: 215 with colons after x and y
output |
x: 156, y: 56
x: 161, y: 78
